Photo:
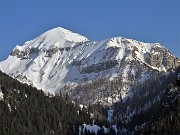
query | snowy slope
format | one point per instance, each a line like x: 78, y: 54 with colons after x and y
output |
x: 60, y: 57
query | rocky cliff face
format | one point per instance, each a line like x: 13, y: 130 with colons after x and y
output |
x: 62, y: 60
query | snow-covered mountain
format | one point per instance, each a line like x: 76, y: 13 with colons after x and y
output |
x: 60, y: 59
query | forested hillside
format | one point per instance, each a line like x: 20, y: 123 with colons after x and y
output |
x: 24, y: 110
x: 154, y: 108
x: 168, y: 122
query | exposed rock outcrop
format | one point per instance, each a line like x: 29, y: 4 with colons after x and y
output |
x: 99, y: 67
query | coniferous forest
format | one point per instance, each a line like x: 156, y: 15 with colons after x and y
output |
x: 24, y: 110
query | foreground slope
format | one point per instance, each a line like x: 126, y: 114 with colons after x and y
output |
x: 62, y: 60
x: 26, y: 110
x: 168, y: 122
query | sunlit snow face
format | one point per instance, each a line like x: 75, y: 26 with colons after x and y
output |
x: 59, y: 58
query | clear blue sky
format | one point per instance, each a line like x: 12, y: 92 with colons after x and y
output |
x: 143, y: 20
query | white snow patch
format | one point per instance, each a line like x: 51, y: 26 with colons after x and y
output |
x: 81, y: 106
x: 110, y: 114
x: 1, y: 94
x: 179, y: 75
x: 9, y: 107
x: 92, y: 128
x: 144, y: 77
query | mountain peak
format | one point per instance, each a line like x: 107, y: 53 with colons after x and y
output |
x: 53, y: 37
x: 60, y: 57
x: 59, y: 33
